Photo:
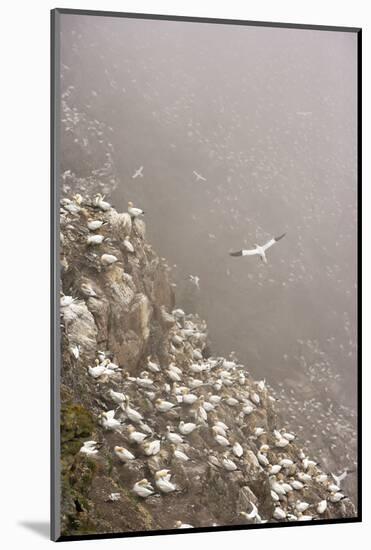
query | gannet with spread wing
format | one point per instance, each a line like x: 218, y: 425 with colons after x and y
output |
x: 258, y: 250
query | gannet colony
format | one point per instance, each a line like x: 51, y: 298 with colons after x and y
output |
x: 156, y: 431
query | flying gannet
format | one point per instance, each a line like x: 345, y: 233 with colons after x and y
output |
x: 258, y: 250
x: 138, y: 173
x: 199, y: 177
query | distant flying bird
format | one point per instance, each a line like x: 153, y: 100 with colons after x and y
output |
x: 258, y: 250
x: 198, y: 176
x: 195, y: 280
x: 138, y: 173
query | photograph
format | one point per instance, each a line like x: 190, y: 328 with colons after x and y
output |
x: 205, y: 217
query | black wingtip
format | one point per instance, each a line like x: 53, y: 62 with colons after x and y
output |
x: 280, y: 237
x: 239, y: 253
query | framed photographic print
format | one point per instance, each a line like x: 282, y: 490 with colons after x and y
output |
x: 205, y: 325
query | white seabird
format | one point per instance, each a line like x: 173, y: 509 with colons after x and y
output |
x: 143, y: 488
x: 162, y: 481
x: 99, y: 202
x: 134, y: 212
x: 95, y: 239
x: 195, y: 280
x: 338, y: 479
x: 109, y: 422
x: 322, y: 506
x: 127, y: 244
x: 199, y: 177
x: 151, y: 448
x: 138, y: 173
x: 123, y: 454
x: 186, y: 428
x: 108, y: 259
x: 163, y: 406
x: 117, y: 397
x: 136, y: 437
x: 258, y: 250
x: 180, y: 525
x: 88, y: 448
x: 93, y: 225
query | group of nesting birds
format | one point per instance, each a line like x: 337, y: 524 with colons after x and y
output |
x: 195, y: 407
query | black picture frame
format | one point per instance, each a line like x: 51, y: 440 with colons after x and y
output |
x: 54, y: 238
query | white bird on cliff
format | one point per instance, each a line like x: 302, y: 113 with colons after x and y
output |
x: 173, y: 437
x: 87, y: 290
x: 229, y: 464
x: 253, y: 514
x: 127, y: 244
x: 132, y: 414
x: 108, y: 421
x: 75, y: 351
x: 186, y: 428
x: 258, y: 250
x: 143, y: 488
x: 180, y: 455
x: 97, y: 371
x: 237, y: 449
x: 279, y: 513
x: 322, y: 506
x: 138, y: 173
x: 134, y: 212
x: 162, y: 481
x: 95, y: 239
x: 108, y: 259
x: 302, y: 506
x: 93, y: 225
x: 220, y: 439
x: 89, y: 448
x: 66, y: 301
x: 180, y: 525
x: 136, y: 437
x: 151, y: 365
x: 99, y: 202
x: 123, y: 454
x: 163, y: 406
x: 151, y: 448
x: 117, y: 397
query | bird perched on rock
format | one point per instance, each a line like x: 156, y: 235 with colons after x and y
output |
x: 108, y: 421
x: 151, y: 448
x: 100, y: 203
x: 162, y: 482
x: 117, y: 397
x: 93, y: 225
x: 108, y: 259
x: 136, y: 437
x: 143, y: 488
x: 89, y: 448
x: 123, y: 454
x: 133, y: 211
x: 95, y: 239
x: 127, y: 245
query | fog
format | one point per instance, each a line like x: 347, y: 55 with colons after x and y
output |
x: 268, y: 117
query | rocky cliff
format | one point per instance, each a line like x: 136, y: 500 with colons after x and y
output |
x: 156, y: 432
